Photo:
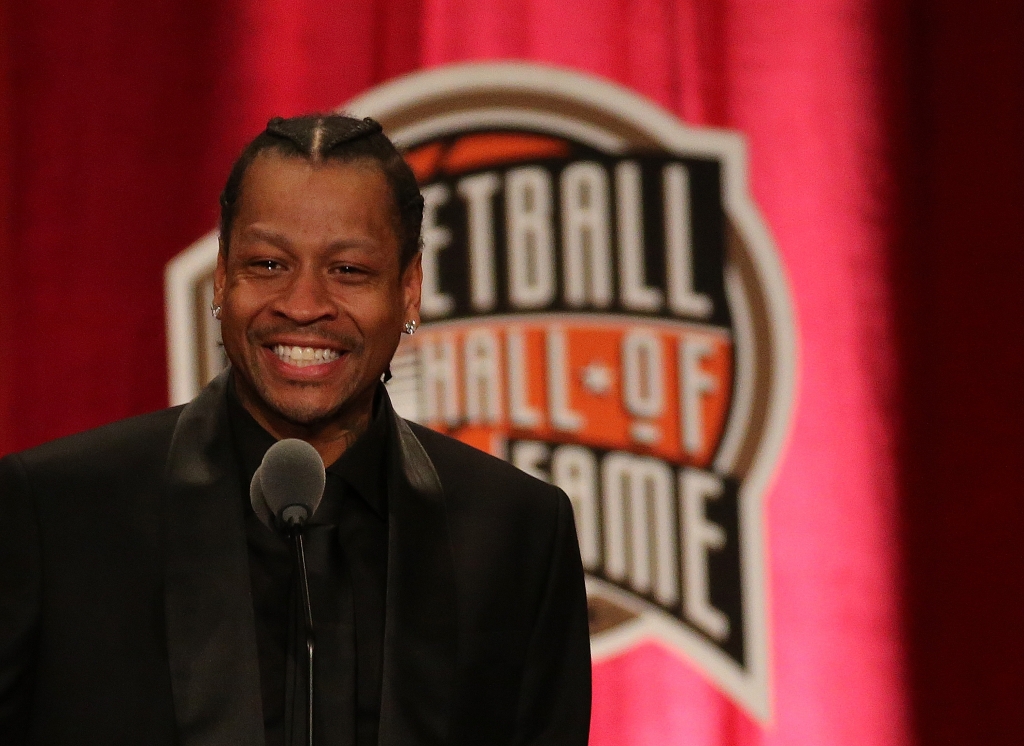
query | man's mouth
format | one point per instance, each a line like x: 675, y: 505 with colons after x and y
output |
x: 302, y: 357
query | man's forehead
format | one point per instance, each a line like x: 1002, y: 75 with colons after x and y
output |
x: 272, y: 164
x: 286, y: 185
x: 283, y: 183
x: 291, y: 201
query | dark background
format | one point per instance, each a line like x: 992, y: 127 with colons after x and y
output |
x: 958, y: 132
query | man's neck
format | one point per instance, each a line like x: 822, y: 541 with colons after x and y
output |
x: 331, y: 438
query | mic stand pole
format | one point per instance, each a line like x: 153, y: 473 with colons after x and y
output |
x: 307, y: 611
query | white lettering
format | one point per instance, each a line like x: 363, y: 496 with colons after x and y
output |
x: 520, y: 411
x: 679, y: 246
x: 440, y: 382
x: 483, y: 378
x: 642, y: 488
x: 694, y: 385
x: 643, y: 373
x: 530, y: 244
x: 478, y: 192
x: 699, y: 537
x: 529, y: 455
x: 634, y: 294
x: 435, y: 237
x: 585, y: 241
x: 563, y: 417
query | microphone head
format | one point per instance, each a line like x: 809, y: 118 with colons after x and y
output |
x: 259, y: 502
x: 291, y: 482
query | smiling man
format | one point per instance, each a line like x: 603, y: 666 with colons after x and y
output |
x: 143, y: 601
x: 317, y: 276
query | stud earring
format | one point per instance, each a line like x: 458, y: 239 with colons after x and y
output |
x: 410, y: 326
x: 215, y: 310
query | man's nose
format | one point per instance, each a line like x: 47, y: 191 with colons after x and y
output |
x: 306, y: 299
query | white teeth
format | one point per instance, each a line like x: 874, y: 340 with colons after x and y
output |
x: 302, y: 357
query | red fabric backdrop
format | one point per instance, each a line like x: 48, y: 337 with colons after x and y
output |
x: 886, y: 153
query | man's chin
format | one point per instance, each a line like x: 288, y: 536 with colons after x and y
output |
x: 304, y: 414
x: 305, y: 406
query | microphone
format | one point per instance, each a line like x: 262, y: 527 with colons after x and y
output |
x: 285, y: 492
x: 289, y: 485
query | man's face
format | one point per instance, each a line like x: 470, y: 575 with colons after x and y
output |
x: 313, y: 300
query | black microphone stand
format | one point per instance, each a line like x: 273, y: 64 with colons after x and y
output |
x: 308, y: 613
x: 289, y: 486
x: 295, y: 531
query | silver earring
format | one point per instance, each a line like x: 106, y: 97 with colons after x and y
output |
x: 215, y: 310
x: 410, y: 326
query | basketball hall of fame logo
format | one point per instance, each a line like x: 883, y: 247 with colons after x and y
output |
x: 603, y: 307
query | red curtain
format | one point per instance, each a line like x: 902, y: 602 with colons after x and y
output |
x: 886, y: 155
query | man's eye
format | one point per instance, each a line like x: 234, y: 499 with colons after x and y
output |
x: 347, y: 269
x: 268, y: 265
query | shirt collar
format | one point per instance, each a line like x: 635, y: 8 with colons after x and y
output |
x: 361, y: 466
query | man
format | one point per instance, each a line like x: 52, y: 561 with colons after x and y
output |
x: 141, y: 599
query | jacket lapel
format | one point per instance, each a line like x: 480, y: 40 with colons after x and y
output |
x: 211, y: 637
x: 421, y: 624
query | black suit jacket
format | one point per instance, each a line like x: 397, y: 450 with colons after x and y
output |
x: 125, y: 608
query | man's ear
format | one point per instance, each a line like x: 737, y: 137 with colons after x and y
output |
x: 412, y: 283
x: 220, y: 277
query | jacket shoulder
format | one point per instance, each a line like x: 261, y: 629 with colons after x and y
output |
x: 124, y: 445
x: 467, y: 471
x: 447, y: 452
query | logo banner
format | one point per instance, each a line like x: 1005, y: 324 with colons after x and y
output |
x: 603, y: 307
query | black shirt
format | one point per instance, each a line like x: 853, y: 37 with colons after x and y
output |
x: 346, y: 551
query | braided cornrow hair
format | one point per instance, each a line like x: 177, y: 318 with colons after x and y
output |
x: 321, y: 137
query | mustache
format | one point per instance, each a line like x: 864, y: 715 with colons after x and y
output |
x: 263, y: 335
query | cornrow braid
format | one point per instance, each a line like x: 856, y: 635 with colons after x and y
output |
x: 322, y: 137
